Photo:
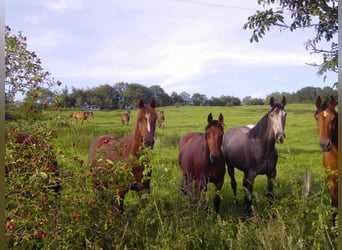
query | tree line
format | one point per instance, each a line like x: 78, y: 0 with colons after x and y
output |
x: 126, y: 95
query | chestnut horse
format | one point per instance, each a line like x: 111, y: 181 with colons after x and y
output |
x: 130, y: 147
x: 161, y: 119
x: 201, y: 160
x: 327, y: 125
x: 125, y: 118
x: 81, y: 115
x: 252, y: 150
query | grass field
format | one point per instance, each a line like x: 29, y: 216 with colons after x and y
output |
x: 168, y: 221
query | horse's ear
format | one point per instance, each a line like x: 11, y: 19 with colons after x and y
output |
x: 220, y: 119
x: 283, y: 101
x: 141, y: 104
x: 318, y: 102
x: 153, y: 103
x: 210, y: 118
x: 332, y: 102
x: 272, y: 101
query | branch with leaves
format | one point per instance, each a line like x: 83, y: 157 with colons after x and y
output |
x: 321, y: 15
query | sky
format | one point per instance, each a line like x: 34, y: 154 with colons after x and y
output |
x: 196, y: 46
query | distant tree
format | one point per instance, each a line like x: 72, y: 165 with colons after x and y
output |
x: 320, y: 15
x: 185, y: 97
x: 79, y: 96
x: 103, y: 97
x: 136, y: 92
x: 199, y: 99
x: 159, y: 95
x: 120, y: 88
x: 248, y: 100
x: 176, y: 98
x: 64, y: 99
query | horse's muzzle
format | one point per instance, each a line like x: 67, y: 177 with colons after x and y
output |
x: 280, y: 138
x: 215, y: 158
x: 325, y: 145
x: 149, y: 143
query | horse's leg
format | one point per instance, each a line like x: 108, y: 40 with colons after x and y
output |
x: 185, y: 186
x: 270, y: 180
x: 200, y: 191
x: 248, y: 182
x: 217, y: 198
x: 231, y: 172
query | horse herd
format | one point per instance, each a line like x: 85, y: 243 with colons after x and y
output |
x: 203, y: 156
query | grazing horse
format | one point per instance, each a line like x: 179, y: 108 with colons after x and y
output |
x: 81, y: 115
x: 200, y: 158
x: 252, y: 150
x: 130, y: 147
x: 327, y: 125
x: 161, y: 119
x: 125, y: 118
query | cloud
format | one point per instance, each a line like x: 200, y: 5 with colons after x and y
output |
x: 58, y: 5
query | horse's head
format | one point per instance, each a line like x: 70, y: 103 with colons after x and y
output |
x: 146, y: 122
x: 326, y: 118
x: 214, y: 133
x: 277, y: 116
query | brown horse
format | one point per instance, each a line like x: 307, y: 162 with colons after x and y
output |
x: 201, y: 160
x: 161, y: 119
x: 81, y: 115
x: 327, y: 125
x: 125, y: 118
x: 106, y: 146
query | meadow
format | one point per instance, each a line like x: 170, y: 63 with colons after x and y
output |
x: 166, y: 219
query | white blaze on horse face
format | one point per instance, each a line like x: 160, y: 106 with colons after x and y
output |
x: 325, y: 113
x: 147, y: 116
x: 278, y: 122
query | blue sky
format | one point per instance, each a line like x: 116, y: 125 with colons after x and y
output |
x: 197, y: 46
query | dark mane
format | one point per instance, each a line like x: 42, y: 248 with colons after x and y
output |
x: 334, y: 131
x: 258, y: 131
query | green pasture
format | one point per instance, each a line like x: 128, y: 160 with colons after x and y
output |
x: 166, y: 219
x: 299, y: 152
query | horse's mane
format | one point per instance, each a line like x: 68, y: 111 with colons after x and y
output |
x: 334, y: 132
x: 258, y: 131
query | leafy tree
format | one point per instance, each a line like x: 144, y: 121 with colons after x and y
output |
x: 23, y: 70
x: 136, y: 92
x: 199, y: 99
x: 248, y: 100
x: 176, y: 98
x: 103, y: 97
x: 162, y: 98
x: 320, y: 15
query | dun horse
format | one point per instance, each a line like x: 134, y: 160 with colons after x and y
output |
x: 327, y: 125
x: 106, y: 146
x: 201, y: 160
x: 80, y: 115
x: 125, y: 118
x: 252, y: 150
x: 161, y: 119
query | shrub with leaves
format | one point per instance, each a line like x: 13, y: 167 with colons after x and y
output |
x: 32, y: 187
